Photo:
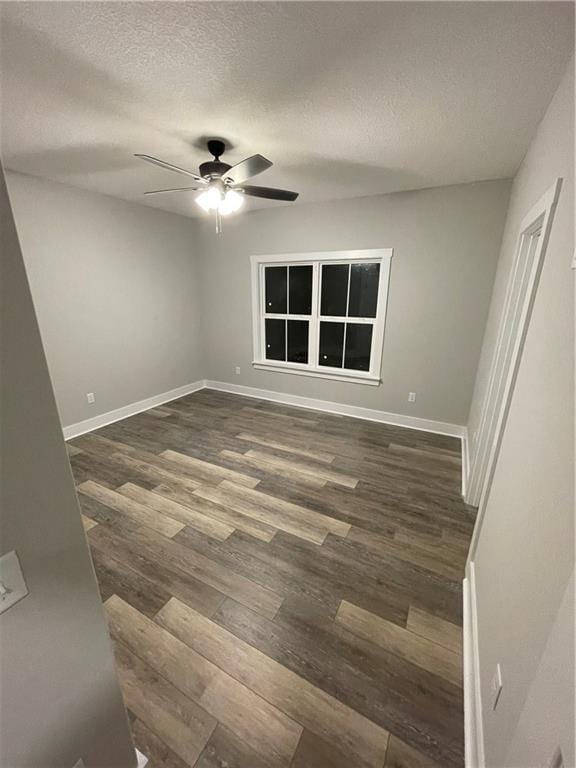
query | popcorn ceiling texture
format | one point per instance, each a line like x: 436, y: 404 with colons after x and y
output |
x: 347, y: 99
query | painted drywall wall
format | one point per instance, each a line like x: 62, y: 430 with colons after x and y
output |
x: 445, y: 242
x: 116, y: 292
x: 525, y: 553
x: 60, y: 697
x: 540, y: 731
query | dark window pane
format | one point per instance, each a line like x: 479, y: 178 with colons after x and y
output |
x: 331, y: 344
x: 358, y: 345
x: 334, y: 289
x: 276, y: 284
x: 275, y: 339
x: 300, y: 295
x: 298, y: 341
x: 363, y: 290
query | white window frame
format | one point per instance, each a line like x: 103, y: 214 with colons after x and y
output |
x: 382, y: 256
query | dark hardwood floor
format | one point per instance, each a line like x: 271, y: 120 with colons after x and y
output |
x: 283, y: 587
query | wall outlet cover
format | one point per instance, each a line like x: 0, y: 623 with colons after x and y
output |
x: 496, y: 686
x: 237, y: 370
x: 411, y: 397
x: 12, y: 585
x: 90, y: 397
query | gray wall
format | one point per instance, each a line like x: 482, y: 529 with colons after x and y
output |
x: 116, y: 289
x: 525, y: 554
x: 60, y: 698
x: 547, y: 717
x: 446, y: 243
x: 116, y: 292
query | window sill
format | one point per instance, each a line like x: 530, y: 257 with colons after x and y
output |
x: 353, y: 378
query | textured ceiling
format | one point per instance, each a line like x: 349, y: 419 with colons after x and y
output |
x: 347, y: 99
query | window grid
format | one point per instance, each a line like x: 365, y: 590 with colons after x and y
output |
x: 286, y: 317
x: 346, y: 319
x: 347, y: 309
x: 287, y: 312
x: 312, y: 366
x: 314, y: 329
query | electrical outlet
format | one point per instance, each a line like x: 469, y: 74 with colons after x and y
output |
x: 237, y: 370
x: 411, y: 397
x: 90, y: 397
x: 496, y: 686
x: 12, y: 585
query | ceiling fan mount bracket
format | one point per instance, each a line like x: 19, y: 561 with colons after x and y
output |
x: 216, y: 148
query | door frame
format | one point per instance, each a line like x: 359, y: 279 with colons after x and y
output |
x: 500, y: 387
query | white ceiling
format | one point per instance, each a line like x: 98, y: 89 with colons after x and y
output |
x: 347, y: 99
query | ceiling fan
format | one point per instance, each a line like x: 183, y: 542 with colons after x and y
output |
x: 222, y: 185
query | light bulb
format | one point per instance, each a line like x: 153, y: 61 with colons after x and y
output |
x: 231, y: 203
x: 209, y: 200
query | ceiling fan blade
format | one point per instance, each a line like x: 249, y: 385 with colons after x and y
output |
x: 170, y: 167
x: 177, y: 189
x: 269, y: 193
x: 252, y: 166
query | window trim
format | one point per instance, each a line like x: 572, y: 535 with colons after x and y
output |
x: 315, y: 258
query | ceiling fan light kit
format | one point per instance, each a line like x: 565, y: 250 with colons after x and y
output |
x: 221, y: 186
x: 226, y: 202
x: 231, y: 202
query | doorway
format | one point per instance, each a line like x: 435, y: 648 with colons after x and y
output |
x: 520, y: 295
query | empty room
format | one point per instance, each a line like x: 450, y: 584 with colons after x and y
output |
x: 287, y: 384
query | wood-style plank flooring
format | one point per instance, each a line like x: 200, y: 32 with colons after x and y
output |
x: 282, y: 586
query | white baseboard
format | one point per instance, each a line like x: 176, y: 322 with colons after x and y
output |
x: 89, y: 425
x: 473, y: 724
x: 356, y: 412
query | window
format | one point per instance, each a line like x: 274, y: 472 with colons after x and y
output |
x: 321, y: 314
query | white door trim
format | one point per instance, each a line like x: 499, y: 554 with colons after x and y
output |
x: 473, y: 720
x: 526, y: 268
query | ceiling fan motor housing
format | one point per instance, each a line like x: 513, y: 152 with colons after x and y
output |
x: 213, y: 168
